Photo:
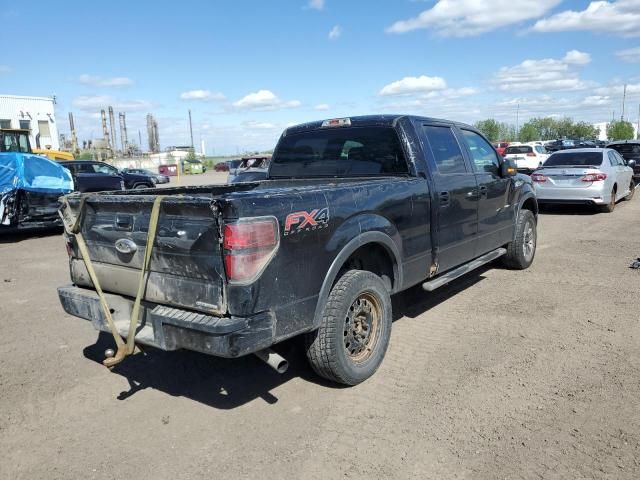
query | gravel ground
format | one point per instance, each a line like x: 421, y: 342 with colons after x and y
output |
x: 502, y: 374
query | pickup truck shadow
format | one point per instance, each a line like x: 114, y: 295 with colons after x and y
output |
x: 230, y: 383
x: 569, y: 210
x: 15, y: 236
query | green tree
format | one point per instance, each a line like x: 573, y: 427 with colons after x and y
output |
x: 528, y: 133
x: 191, y: 156
x: 585, y: 130
x: 490, y: 129
x: 508, y: 132
x: 620, y: 130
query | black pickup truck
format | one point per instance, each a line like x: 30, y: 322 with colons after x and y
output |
x: 353, y: 211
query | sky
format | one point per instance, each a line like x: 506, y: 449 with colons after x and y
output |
x: 249, y: 68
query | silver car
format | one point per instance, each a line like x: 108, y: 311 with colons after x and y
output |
x: 593, y: 176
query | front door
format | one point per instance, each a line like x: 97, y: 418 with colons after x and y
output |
x: 495, y: 214
x: 456, y: 194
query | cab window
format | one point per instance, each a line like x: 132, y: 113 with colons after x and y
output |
x: 485, y: 159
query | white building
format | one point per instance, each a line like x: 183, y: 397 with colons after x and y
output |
x: 36, y: 114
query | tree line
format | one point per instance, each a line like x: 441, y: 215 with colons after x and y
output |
x: 549, y: 128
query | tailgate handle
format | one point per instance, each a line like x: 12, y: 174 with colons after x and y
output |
x: 124, y: 222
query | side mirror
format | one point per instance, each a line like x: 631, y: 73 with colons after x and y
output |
x: 631, y: 163
x: 508, y: 168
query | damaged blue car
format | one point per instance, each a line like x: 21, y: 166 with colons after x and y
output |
x: 30, y: 185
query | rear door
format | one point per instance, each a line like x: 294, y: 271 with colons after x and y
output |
x: 457, y: 196
x: 495, y: 214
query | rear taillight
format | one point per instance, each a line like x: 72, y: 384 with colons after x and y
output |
x: 594, y: 177
x: 249, y: 245
x: 538, y: 178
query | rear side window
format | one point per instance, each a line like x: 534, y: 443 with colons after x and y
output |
x: 613, y: 160
x: 575, y: 159
x: 342, y: 151
x: 520, y: 149
x: 446, y: 151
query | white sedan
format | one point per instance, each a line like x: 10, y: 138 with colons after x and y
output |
x: 592, y: 176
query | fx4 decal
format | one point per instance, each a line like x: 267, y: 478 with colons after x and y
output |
x: 299, y: 222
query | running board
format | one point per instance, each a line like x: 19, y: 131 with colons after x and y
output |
x: 466, y: 268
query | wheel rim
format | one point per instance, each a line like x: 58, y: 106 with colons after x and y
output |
x: 613, y: 199
x: 529, y: 243
x: 362, y: 327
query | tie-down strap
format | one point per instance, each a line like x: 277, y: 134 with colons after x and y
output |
x: 72, y: 227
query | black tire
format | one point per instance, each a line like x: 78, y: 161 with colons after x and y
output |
x: 522, y: 250
x: 349, y: 345
x: 611, y: 206
x: 632, y: 191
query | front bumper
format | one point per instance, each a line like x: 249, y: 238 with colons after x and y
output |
x: 170, y: 328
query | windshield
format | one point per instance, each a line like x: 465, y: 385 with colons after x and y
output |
x: 17, y: 142
x: 574, y: 159
x: 343, y: 151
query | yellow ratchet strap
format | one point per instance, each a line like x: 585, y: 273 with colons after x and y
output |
x: 73, y: 229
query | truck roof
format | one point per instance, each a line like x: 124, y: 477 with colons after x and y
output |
x: 388, y: 120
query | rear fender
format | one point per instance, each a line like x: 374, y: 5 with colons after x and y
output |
x: 374, y: 230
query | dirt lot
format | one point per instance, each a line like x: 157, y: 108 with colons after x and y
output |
x: 502, y: 374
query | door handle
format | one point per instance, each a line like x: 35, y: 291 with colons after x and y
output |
x: 483, y: 191
x: 444, y: 199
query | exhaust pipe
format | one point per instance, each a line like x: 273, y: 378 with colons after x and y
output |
x: 272, y: 359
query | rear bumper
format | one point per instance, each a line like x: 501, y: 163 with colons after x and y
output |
x: 170, y: 328
x: 593, y: 195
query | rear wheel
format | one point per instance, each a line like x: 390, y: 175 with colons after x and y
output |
x: 632, y: 190
x: 610, y: 207
x: 354, y: 334
x: 140, y: 186
x: 522, y: 250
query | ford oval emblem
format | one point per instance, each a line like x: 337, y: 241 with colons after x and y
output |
x: 124, y: 245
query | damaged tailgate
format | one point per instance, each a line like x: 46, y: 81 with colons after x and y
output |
x: 186, y: 268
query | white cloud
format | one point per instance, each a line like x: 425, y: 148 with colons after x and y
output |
x: 463, y: 18
x: 94, y: 81
x: 90, y: 103
x: 316, y: 4
x: 630, y: 55
x: 616, y: 90
x: 335, y: 32
x: 596, y: 100
x: 620, y: 17
x: 576, y: 57
x: 254, y: 125
x: 5, y: 69
x: 547, y: 74
x: 202, y: 95
x: 322, y: 106
x: 413, y: 85
x: 264, y: 100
